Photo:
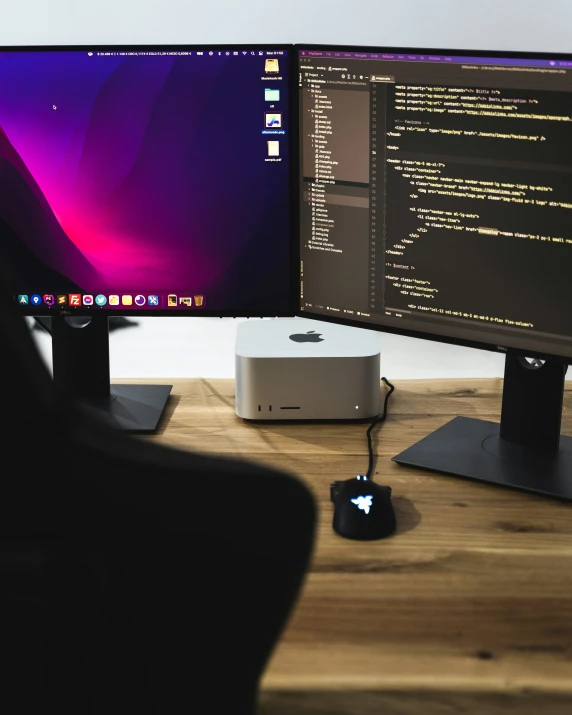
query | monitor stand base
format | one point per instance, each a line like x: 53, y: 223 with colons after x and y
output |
x: 473, y: 449
x: 132, y: 408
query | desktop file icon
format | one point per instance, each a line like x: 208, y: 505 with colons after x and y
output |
x: 271, y: 65
x: 271, y: 95
x: 272, y: 120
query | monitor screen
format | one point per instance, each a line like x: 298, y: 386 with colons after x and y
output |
x: 436, y: 194
x: 148, y: 179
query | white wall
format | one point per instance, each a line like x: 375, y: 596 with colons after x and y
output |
x: 455, y: 24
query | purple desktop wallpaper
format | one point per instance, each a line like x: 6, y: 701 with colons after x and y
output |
x: 146, y: 175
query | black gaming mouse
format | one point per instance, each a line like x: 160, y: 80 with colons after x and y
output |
x: 362, y: 509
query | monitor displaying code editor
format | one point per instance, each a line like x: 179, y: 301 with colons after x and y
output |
x: 436, y: 194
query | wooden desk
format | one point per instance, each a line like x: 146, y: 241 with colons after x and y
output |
x: 467, y: 609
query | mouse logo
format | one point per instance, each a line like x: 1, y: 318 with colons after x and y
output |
x: 310, y: 337
x: 363, y: 503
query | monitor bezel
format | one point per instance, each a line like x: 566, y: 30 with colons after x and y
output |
x: 394, y: 330
x: 45, y: 311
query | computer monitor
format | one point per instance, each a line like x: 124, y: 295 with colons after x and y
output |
x: 436, y: 202
x: 148, y: 181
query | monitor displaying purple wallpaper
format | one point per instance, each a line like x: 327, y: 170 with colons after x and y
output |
x: 146, y: 179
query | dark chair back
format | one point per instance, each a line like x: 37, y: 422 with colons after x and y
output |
x: 135, y: 578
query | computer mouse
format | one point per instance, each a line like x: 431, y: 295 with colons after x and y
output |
x: 362, y: 509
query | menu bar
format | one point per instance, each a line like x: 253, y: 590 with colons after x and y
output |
x: 185, y: 53
x: 444, y: 59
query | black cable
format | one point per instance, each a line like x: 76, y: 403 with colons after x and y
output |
x: 377, y: 420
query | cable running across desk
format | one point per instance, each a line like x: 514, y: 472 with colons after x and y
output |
x: 377, y: 420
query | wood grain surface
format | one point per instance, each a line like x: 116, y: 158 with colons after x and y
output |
x: 466, y: 609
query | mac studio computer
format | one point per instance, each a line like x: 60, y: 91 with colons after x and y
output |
x: 143, y: 181
x: 436, y: 202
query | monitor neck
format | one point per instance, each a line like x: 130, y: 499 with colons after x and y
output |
x: 80, y: 351
x: 532, y: 400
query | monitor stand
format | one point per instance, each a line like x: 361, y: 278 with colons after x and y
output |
x: 80, y: 350
x: 525, y: 451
